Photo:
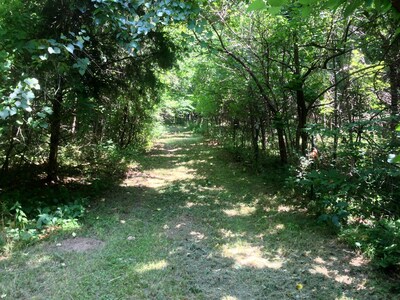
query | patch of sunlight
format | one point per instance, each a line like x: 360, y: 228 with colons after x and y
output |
x: 284, y: 208
x: 359, y: 261
x: 159, y: 178
x: 334, y: 274
x: 156, y: 265
x: 319, y: 260
x: 226, y: 233
x: 174, y: 150
x: 344, y: 297
x: 198, y: 236
x: 320, y: 270
x: 38, y: 261
x: 194, y: 204
x: 277, y: 229
x: 241, y: 210
x: 197, y: 161
x: 166, y: 155
x: 246, y: 255
x: 229, y: 298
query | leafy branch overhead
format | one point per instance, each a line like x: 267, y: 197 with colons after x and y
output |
x: 304, y: 6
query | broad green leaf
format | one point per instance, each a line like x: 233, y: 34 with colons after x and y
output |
x: 306, y: 11
x: 4, y: 114
x: 79, y: 44
x: 352, y: 7
x: 334, y: 4
x: 70, y: 48
x: 54, y: 50
x: 13, y: 111
x: 257, y: 5
x: 393, y: 159
x: 48, y: 110
x: 32, y: 83
x: 277, y: 3
x: 308, y: 2
x: 274, y: 10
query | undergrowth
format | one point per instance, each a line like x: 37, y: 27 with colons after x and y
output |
x: 34, y: 207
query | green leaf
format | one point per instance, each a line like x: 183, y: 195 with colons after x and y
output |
x: 54, y: 50
x: 277, y: 3
x: 392, y: 159
x: 382, y: 5
x: 306, y: 11
x: 257, y: 5
x: 70, y: 48
x: 334, y: 4
x: 79, y: 44
x: 81, y: 65
x: 351, y: 8
x: 4, y: 114
x: 32, y: 83
x: 335, y: 221
x: 274, y: 10
x: 47, y: 109
x: 308, y: 2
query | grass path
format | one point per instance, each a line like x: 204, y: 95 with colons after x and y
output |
x: 187, y: 223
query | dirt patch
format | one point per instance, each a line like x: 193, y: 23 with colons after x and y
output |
x: 80, y: 245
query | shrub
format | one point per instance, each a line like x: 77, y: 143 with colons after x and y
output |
x: 380, y: 241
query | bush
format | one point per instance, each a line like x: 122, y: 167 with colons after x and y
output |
x: 380, y: 241
x: 26, y: 229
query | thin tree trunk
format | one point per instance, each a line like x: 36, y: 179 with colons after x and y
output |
x: 301, y: 106
x: 263, y: 135
x: 55, y: 131
x: 282, y: 146
x: 6, y: 164
x: 394, y: 79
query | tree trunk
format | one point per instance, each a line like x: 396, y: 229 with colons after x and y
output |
x: 263, y: 135
x: 394, y: 79
x: 6, y: 164
x: 122, y: 128
x: 282, y: 146
x: 55, y: 131
x: 301, y: 133
x: 301, y: 106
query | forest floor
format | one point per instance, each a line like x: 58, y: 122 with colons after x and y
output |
x: 189, y: 223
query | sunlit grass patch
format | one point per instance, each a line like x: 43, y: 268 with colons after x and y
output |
x: 240, y: 209
x: 156, y: 265
x: 247, y: 255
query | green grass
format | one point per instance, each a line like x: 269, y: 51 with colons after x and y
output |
x: 188, y: 223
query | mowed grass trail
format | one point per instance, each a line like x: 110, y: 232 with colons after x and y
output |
x: 188, y: 223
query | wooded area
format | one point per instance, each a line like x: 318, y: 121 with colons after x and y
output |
x: 310, y: 88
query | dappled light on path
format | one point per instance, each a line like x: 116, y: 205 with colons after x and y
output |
x: 246, y: 255
x: 240, y: 210
x: 235, y: 237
